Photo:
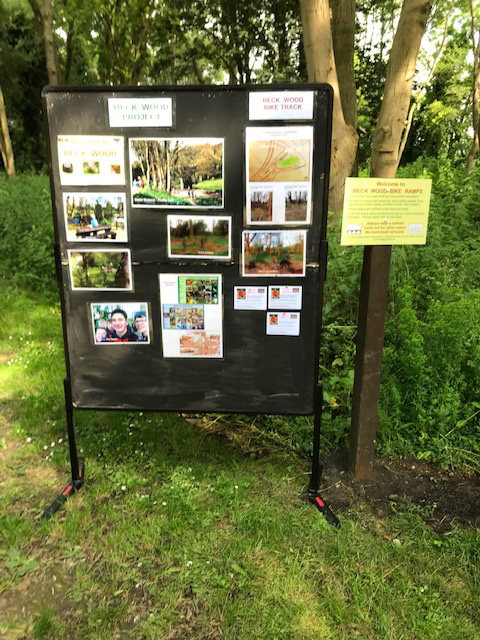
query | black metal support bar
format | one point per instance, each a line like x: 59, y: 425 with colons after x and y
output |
x: 71, y: 430
x: 76, y: 463
x: 317, y: 468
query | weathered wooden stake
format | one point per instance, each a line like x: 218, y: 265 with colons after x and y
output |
x: 368, y: 361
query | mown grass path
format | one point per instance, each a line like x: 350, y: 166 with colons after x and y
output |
x: 179, y: 533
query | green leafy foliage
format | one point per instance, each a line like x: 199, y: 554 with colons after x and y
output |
x: 430, y: 382
x: 26, y: 233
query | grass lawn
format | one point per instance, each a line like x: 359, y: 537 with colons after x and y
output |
x: 216, y: 245
x: 159, y: 196
x: 96, y: 277
x: 210, y: 185
x: 182, y: 533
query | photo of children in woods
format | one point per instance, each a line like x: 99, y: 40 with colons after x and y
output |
x: 107, y: 269
x: 95, y: 217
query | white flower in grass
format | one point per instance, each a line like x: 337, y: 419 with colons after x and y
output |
x: 236, y: 486
x: 164, y: 504
x: 45, y: 447
x: 189, y: 563
x: 124, y: 488
x: 29, y: 439
x: 52, y: 444
x: 60, y: 440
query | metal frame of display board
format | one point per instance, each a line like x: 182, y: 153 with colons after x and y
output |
x: 78, y: 111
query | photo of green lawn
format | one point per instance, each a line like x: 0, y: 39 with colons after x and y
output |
x: 100, y: 269
x: 177, y: 172
x: 199, y: 237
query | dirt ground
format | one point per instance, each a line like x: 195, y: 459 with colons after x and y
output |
x: 445, y: 498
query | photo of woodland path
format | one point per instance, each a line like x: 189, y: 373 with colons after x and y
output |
x: 199, y: 237
x: 273, y: 253
x: 296, y: 201
x: 261, y: 206
x: 100, y: 270
x: 177, y: 172
x: 279, y: 161
x: 95, y: 216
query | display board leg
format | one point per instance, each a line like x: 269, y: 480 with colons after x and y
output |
x: 76, y: 463
x: 317, y: 468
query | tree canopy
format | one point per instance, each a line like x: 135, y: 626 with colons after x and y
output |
x: 202, y: 42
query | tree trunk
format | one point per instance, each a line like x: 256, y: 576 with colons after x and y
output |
x: 398, y: 87
x: 5, y: 142
x: 343, y: 34
x: 419, y: 95
x: 44, y: 20
x: 319, y: 54
x: 476, y: 92
x: 376, y: 261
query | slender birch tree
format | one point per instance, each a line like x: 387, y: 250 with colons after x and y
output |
x: 6, y: 148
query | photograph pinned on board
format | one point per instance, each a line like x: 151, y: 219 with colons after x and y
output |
x: 91, y: 160
x: 120, y: 322
x: 95, y: 217
x: 261, y: 203
x: 296, y: 205
x: 198, y: 290
x: 177, y: 172
x: 274, y: 253
x: 199, y: 237
x: 183, y: 316
x: 279, y: 164
x: 109, y: 270
x: 201, y: 345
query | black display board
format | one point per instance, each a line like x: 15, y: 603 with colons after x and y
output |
x: 275, y: 374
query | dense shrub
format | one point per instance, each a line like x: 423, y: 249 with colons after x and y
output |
x: 26, y: 233
x: 431, y: 382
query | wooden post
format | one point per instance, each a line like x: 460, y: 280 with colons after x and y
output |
x: 368, y: 361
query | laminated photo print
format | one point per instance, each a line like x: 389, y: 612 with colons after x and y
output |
x: 176, y: 172
x: 120, y: 323
x: 95, y: 217
x: 110, y: 270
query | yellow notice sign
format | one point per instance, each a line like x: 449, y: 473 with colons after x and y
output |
x: 385, y: 211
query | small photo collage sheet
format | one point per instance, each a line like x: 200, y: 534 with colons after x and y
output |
x: 278, y: 206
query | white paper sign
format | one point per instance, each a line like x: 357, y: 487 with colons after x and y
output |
x: 250, y: 298
x: 284, y: 297
x: 140, y: 112
x: 285, y: 323
x: 87, y: 160
x: 281, y: 105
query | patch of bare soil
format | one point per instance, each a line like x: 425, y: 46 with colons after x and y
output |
x: 446, y: 498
